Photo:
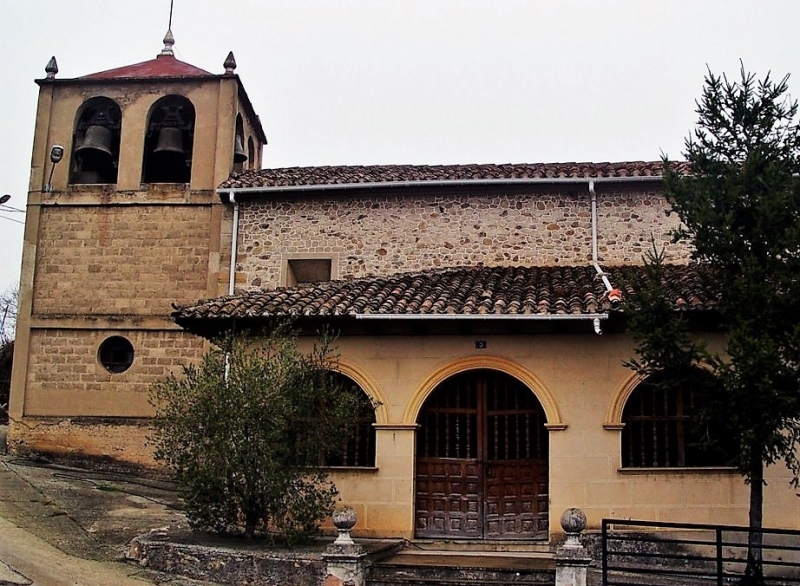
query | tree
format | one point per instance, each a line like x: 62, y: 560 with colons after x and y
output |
x: 8, y: 318
x: 9, y: 303
x: 6, y: 362
x: 238, y: 430
x: 739, y: 205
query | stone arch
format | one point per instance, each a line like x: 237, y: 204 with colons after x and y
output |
x: 96, y: 142
x: 251, y: 153
x: 239, y: 153
x: 369, y: 385
x: 169, y: 140
x: 549, y: 405
x: 613, y: 419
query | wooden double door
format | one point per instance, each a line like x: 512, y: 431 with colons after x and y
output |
x: 481, y: 460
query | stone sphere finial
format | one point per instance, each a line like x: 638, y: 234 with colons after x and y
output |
x: 229, y: 64
x: 344, y: 520
x: 51, y: 68
x: 573, y: 522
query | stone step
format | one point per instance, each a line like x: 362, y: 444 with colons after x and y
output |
x: 481, y: 547
x: 457, y: 569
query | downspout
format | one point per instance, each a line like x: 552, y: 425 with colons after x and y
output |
x: 234, y: 255
x: 234, y: 241
x: 595, y: 262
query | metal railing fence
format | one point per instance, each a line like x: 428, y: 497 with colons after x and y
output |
x: 658, y: 553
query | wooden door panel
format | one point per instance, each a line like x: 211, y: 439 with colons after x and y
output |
x: 448, y: 498
x: 482, y: 460
x: 516, y: 507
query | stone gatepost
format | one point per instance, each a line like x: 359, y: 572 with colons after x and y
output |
x: 345, y: 559
x: 572, y: 561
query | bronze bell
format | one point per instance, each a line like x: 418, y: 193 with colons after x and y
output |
x: 97, y: 139
x: 239, y: 156
x: 170, y: 140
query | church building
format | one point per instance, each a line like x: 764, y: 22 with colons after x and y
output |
x: 477, y: 305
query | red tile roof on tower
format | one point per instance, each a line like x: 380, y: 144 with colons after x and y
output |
x: 161, y: 66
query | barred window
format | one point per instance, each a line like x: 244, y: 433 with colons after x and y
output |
x: 360, y: 448
x: 659, y: 430
x: 357, y: 449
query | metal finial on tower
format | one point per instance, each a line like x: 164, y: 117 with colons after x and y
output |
x: 229, y: 64
x: 51, y: 68
x: 169, y: 40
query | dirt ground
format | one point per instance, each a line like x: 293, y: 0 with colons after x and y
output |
x: 93, y: 514
x: 84, y: 513
x: 89, y: 514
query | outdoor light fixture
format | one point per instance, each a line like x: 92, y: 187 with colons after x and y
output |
x: 56, y: 154
x: 7, y: 208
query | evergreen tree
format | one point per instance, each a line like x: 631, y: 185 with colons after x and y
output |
x: 738, y: 199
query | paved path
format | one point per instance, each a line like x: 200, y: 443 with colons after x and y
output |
x: 26, y: 559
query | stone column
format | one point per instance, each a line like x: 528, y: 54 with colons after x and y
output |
x: 345, y: 559
x: 572, y: 560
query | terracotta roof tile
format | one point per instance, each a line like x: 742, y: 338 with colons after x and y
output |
x: 351, y: 175
x: 161, y: 66
x: 575, y: 290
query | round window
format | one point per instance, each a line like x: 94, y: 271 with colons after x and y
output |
x: 116, y: 354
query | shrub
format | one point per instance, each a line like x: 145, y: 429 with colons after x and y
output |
x: 237, y: 430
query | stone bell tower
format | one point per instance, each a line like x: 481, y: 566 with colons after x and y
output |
x: 122, y: 221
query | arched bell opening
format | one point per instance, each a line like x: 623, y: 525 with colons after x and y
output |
x: 239, y: 156
x: 251, y: 153
x: 481, y: 460
x: 95, y: 154
x: 169, y: 141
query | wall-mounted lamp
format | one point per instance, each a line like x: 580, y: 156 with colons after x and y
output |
x: 56, y: 154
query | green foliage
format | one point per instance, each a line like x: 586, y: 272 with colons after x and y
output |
x: 740, y: 207
x: 237, y: 430
x: 662, y: 339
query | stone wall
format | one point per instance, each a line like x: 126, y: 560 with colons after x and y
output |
x: 66, y: 378
x: 116, y: 444
x: 133, y: 259
x: 384, y: 233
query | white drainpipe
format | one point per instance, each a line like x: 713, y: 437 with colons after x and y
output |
x: 234, y: 254
x: 595, y: 262
x: 234, y: 241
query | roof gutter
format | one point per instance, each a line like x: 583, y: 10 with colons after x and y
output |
x: 483, y: 316
x: 595, y: 317
x: 439, y: 183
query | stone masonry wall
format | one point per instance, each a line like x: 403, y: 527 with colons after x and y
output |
x: 65, y: 377
x: 131, y: 259
x: 385, y: 234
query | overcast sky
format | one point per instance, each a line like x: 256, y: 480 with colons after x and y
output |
x: 411, y: 81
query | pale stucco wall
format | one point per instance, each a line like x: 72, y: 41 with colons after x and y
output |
x: 577, y: 378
